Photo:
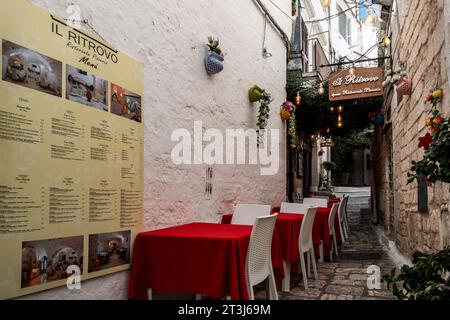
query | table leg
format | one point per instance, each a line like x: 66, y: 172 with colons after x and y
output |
x: 286, y: 283
x: 198, y: 296
x: 321, y: 251
x: 149, y: 294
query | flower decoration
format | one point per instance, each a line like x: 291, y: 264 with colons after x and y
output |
x: 287, y: 108
x: 435, y: 165
x: 321, y: 152
x: 433, y: 97
x: 425, y: 141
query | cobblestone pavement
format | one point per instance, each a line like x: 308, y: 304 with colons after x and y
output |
x: 346, y: 277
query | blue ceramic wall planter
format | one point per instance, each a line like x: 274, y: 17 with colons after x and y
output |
x: 213, y: 63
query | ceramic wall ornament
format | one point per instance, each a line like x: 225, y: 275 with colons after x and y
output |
x: 255, y: 93
x: 404, y: 86
x: 214, y: 58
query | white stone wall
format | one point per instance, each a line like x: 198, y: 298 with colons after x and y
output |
x: 169, y: 38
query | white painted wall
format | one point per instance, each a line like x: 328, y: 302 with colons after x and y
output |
x: 169, y: 37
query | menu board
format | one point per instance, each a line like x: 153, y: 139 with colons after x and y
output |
x: 71, y: 153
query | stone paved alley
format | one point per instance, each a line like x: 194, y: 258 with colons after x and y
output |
x: 346, y: 277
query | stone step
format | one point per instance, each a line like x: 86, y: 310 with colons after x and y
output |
x: 361, y: 255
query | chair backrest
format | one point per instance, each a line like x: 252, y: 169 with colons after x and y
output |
x: 341, y: 209
x: 321, y: 197
x: 259, y: 261
x: 332, y: 217
x: 305, y: 241
x: 247, y: 213
x: 298, y: 208
x: 316, y: 202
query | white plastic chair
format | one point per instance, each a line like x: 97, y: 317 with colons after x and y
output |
x: 258, y: 265
x: 296, y: 208
x: 305, y: 245
x: 316, y: 202
x: 347, y: 198
x: 246, y: 214
x: 342, y: 220
x: 331, y: 219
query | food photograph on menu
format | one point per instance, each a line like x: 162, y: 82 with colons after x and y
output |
x: 30, y: 69
x: 86, y: 88
x: 125, y: 103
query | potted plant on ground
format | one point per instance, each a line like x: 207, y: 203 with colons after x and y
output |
x: 425, y: 280
x: 214, y: 58
x: 329, y: 165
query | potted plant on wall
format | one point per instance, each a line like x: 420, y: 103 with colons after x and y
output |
x: 255, y: 94
x: 214, y: 58
x: 398, y: 77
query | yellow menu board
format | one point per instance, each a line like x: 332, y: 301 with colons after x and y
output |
x: 71, y: 153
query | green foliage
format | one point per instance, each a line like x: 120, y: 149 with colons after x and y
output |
x: 329, y: 165
x: 264, y: 113
x: 293, y: 130
x: 424, y: 280
x: 213, y: 45
x: 314, y: 113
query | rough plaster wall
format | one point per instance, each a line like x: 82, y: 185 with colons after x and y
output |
x: 169, y: 38
x: 419, y: 40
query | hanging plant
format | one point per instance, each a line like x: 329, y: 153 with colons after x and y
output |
x: 263, y: 115
x: 435, y: 165
x: 293, y: 130
x: 214, y: 58
x: 294, y: 7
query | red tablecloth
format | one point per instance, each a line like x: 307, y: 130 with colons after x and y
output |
x: 203, y: 258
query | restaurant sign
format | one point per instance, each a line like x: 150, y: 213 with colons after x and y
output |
x: 327, y: 144
x: 362, y: 83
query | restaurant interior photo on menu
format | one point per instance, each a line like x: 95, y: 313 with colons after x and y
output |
x: 217, y: 151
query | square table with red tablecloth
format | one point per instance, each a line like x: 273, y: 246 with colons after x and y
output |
x: 197, y: 258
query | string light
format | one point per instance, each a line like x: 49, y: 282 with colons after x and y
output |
x: 332, y: 109
x: 386, y: 41
x: 340, y: 108
x: 340, y: 125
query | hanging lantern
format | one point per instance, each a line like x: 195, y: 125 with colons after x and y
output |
x: 326, y: 3
x: 339, y: 118
x: 298, y: 99
x: 340, y: 124
x: 352, y: 70
x: 321, y: 89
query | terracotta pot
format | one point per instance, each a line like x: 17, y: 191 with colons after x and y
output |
x: 255, y: 93
x: 404, y: 86
x: 285, y: 115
